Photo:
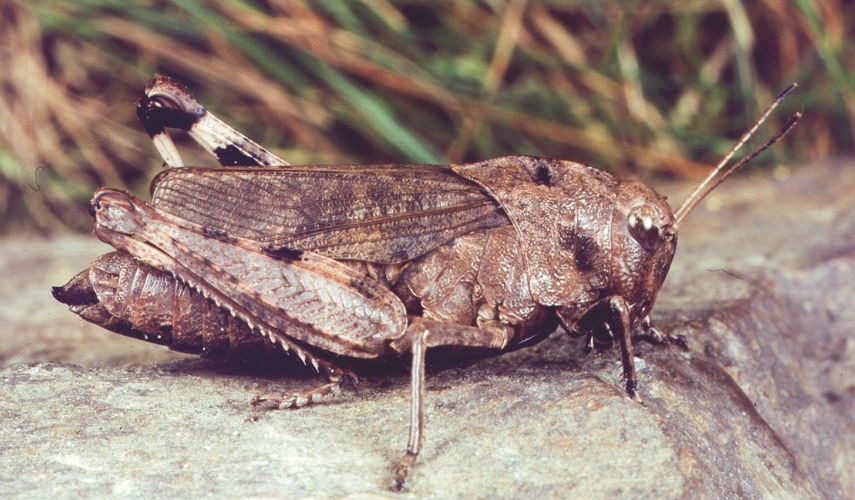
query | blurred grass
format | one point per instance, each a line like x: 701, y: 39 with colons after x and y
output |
x: 637, y: 88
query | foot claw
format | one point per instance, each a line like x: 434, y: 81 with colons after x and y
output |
x: 679, y: 340
x: 285, y: 404
x: 403, y: 469
x: 632, y: 391
x: 267, y: 401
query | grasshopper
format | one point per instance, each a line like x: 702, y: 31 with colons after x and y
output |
x: 372, y: 261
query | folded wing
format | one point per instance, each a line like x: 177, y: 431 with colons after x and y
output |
x: 386, y: 214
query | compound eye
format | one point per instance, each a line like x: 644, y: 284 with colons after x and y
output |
x: 643, y: 226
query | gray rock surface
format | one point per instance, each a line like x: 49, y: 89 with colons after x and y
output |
x: 762, y: 405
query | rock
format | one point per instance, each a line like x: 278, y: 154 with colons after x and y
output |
x: 762, y: 404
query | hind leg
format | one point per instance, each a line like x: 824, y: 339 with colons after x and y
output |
x: 335, y: 378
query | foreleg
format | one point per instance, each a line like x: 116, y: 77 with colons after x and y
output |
x: 607, y: 321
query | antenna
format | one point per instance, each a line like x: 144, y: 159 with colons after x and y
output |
x: 718, y: 175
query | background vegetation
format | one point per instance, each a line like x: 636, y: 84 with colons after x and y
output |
x: 637, y: 88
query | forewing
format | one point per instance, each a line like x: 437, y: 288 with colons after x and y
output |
x: 386, y: 214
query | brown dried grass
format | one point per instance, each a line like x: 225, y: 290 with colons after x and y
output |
x: 662, y: 87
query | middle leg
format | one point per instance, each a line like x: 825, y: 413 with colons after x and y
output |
x: 421, y: 334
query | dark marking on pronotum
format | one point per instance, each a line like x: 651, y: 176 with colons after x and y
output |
x: 36, y: 178
x: 585, y: 252
x: 231, y: 156
x: 544, y: 176
x: 283, y: 253
x: 583, y: 247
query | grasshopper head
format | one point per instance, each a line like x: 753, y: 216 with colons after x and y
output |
x: 644, y: 239
x: 644, y: 229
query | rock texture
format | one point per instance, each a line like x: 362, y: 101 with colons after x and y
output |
x: 761, y: 405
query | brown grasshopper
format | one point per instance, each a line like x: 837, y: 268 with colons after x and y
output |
x: 372, y: 261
